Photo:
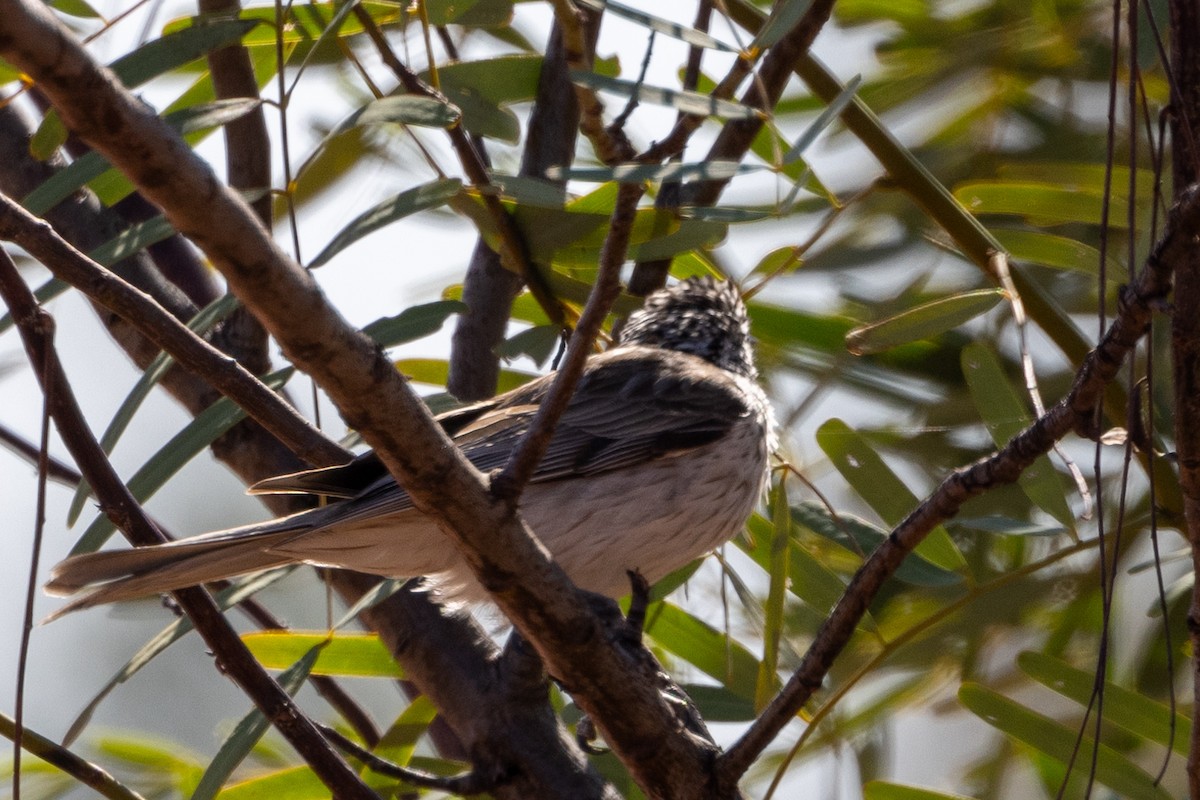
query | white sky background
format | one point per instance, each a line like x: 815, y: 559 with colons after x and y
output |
x: 404, y: 264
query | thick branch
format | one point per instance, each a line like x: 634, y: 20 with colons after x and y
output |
x: 1185, y: 325
x: 1073, y: 413
x: 524, y: 460
x: 36, y: 330
x: 489, y: 289
x: 153, y: 322
x: 608, y: 681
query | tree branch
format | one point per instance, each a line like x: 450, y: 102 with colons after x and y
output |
x: 36, y: 329
x: 511, y: 481
x: 152, y: 321
x: 611, y: 681
x: 513, y: 252
x: 489, y: 289
x: 1074, y: 412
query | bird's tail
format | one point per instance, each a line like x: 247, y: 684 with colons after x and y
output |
x: 126, y: 574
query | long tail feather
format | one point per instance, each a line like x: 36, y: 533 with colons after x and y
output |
x: 126, y: 574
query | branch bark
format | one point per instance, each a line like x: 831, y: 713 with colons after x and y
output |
x: 1185, y: 326
x: 611, y: 681
x: 36, y: 329
x: 1074, y: 412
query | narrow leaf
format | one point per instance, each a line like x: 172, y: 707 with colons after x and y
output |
x: 659, y: 25
x: 357, y: 655
x: 875, y: 483
x: 200, y: 324
x: 683, y: 101
x: 429, y: 195
x: 923, y: 322
x: 1136, y: 713
x: 1004, y: 414
x: 1056, y: 740
x: 170, y: 458
x: 249, y: 730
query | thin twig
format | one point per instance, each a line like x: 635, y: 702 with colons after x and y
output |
x: 56, y: 470
x: 39, y: 529
x: 1072, y: 413
x: 516, y: 473
x: 152, y: 321
x: 466, y: 784
x: 513, y: 251
x: 82, y: 770
x: 34, y: 326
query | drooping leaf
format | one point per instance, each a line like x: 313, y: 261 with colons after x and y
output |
x: 410, y: 201
x: 358, y: 655
x: 1005, y: 415
x: 924, y: 321
x: 1133, y: 711
x: 875, y: 483
x: 1058, y: 741
x: 250, y: 729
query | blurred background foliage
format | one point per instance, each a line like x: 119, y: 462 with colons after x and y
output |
x: 889, y: 350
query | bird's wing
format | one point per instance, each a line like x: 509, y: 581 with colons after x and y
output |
x: 632, y: 405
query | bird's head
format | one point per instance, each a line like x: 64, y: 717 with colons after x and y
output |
x: 700, y: 316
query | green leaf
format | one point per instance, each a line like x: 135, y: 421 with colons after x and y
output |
x: 858, y: 535
x: 250, y: 729
x: 538, y: 343
x: 808, y: 579
x: 1056, y: 740
x: 882, y: 790
x: 823, y: 121
x: 302, y: 23
x: 351, y: 655
x: 470, y: 13
x: 173, y: 50
x: 784, y: 17
x: 403, y: 109
x: 923, y: 322
x: 659, y: 25
x: 170, y: 458
x: 293, y: 783
x: 481, y: 89
x: 704, y: 647
x: 429, y: 195
x: 679, y: 99
x: 399, y: 741
x: 777, y: 571
x: 1042, y: 204
x: 638, y: 173
x: 414, y: 322
x: 93, y: 167
x: 875, y: 483
x: 1049, y: 250
x: 718, y: 704
x: 1136, y: 713
x: 132, y: 240
x: 75, y: 8
x: 1004, y: 414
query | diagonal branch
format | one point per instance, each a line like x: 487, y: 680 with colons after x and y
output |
x: 36, y: 329
x: 152, y: 321
x: 513, y: 252
x: 612, y: 682
x: 1074, y: 412
x: 519, y: 469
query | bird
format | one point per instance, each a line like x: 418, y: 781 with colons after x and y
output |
x: 660, y: 457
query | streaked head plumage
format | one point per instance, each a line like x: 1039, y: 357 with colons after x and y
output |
x: 701, y: 316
